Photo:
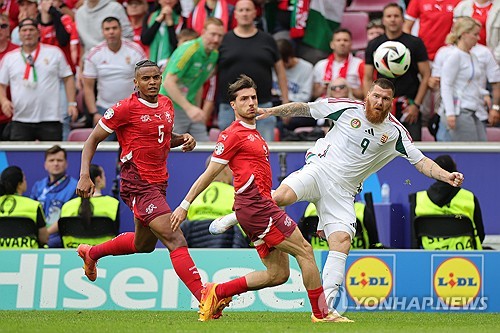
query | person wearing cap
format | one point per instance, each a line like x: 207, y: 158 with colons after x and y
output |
x: 27, y: 9
x: 443, y: 199
x: 33, y: 73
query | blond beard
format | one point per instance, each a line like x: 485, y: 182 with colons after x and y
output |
x: 373, y: 116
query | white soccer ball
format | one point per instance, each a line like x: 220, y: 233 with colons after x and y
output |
x: 392, y: 59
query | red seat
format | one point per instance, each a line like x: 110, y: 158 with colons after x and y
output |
x: 493, y: 134
x: 426, y: 135
x: 370, y: 6
x: 79, y: 134
x: 356, y: 23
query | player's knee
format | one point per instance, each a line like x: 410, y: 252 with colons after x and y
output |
x: 278, y: 277
x: 144, y: 248
x: 284, y: 196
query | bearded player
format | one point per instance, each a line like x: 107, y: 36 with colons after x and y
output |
x: 364, y: 139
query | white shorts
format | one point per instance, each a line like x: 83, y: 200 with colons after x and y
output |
x: 334, y: 204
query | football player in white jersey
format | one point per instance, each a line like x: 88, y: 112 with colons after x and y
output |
x: 364, y: 139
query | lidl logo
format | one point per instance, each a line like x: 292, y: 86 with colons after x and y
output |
x: 369, y: 281
x: 457, y: 280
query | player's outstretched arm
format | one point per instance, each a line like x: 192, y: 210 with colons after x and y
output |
x: 293, y: 109
x: 180, y: 213
x: 431, y: 169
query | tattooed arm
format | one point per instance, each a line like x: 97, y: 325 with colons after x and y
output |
x: 431, y: 169
x: 296, y: 109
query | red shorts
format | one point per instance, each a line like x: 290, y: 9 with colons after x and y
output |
x: 147, y: 201
x: 262, y: 220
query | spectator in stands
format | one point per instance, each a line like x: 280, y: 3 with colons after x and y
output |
x: 54, y: 190
x: 89, y: 18
x: 34, y: 73
x: 486, y: 12
x: 11, y: 9
x: 490, y: 74
x: 98, y: 205
x: 159, y: 31
x: 435, y: 20
x: 60, y: 30
x: 5, y: 46
x: 443, y: 199
x: 13, y: 203
x: 136, y: 12
x: 374, y: 29
x: 248, y: 50
x: 186, y: 35
x: 27, y: 9
x: 339, y: 88
x: 188, y: 69
x: 411, y: 86
x: 341, y: 63
x: 211, y: 8
x: 110, y: 63
x: 462, y: 84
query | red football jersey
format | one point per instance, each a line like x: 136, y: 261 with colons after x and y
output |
x: 144, y: 132
x: 243, y: 148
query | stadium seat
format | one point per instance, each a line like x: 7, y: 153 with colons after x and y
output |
x: 356, y: 22
x: 369, y: 6
x: 426, y: 135
x: 213, y: 134
x: 74, y: 231
x: 18, y: 232
x: 79, y: 134
x: 304, y: 129
x: 493, y: 134
x: 443, y: 226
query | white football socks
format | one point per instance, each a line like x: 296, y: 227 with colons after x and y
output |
x: 222, y: 224
x: 333, y: 275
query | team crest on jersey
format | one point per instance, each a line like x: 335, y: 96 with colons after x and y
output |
x: 219, y: 148
x: 355, y: 123
x: 145, y: 118
x: 384, y: 138
x: 168, y: 116
x: 128, y: 60
x: 109, y: 113
x: 251, y: 137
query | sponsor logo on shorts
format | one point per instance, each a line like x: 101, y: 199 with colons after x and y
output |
x: 369, y: 281
x: 219, y: 148
x: 109, y: 113
x: 457, y: 281
x: 150, y: 208
x: 355, y: 123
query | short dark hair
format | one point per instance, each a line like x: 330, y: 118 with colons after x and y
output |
x: 342, y: 30
x: 446, y: 162
x: 285, y: 48
x: 395, y: 5
x: 54, y: 150
x: 243, y: 82
x: 111, y: 19
x: 384, y: 84
x: 145, y: 63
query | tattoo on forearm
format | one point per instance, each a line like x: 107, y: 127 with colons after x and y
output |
x: 293, y: 109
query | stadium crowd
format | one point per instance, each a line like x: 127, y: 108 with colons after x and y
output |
x: 82, y: 54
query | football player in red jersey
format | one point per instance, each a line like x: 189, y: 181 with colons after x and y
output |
x: 273, y: 232
x: 143, y: 124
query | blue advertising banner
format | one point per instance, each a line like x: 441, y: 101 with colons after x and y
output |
x: 374, y: 281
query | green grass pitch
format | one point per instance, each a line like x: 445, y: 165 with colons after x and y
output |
x: 72, y: 321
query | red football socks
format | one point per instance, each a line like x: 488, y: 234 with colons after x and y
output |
x: 186, y: 270
x: 318, y: 302
x: 231, y: 288
x: 120, y: 245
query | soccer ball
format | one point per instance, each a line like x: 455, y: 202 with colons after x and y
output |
x: 392, y: 59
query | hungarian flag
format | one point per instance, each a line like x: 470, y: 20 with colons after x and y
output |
x: 324, y: 18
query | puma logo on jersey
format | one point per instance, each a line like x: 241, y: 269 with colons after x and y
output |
x: 369, y: 131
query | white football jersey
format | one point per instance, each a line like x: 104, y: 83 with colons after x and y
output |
x: 355, y: 148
